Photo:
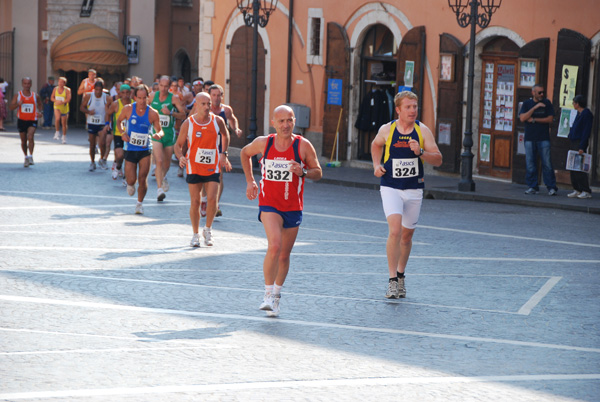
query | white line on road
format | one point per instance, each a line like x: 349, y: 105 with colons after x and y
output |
x: 216, y: 252
x: 539, y: 295
x: 352, y: 218
x: 278, y: 321
x: 292, y: 384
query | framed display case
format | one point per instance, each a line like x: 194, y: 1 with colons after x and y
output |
x: 528, y: 72
x: 446, y: 67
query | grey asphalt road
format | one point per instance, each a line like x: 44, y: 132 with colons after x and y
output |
x: 99, y: 304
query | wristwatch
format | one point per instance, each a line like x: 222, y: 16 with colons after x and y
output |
x: 422, y: 151
x: 304, y: 172
x: 225, y: 153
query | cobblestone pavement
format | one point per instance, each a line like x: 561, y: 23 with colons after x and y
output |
x: 99, y: 304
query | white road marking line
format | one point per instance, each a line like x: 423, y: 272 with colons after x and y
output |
x: 70, y: 195
x: 187, y: 249
x: 539, y: 295
x: 380, y: 221
x: 93, y: 206
x: 310, y: 295
x: 110, y: 350
x: 292, y: 384
x: 280, y: 321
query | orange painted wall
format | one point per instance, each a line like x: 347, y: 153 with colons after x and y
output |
x: 529, y: 19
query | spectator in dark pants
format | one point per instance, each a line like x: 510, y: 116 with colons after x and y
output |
x: 45, y: 94
x: 579, y: 135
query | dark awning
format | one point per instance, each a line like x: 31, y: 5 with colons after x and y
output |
x: 86, y: 46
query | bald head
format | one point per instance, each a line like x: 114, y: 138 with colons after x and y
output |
x: 284, y: 120
x: 283, y: 109
x: 202, y: 96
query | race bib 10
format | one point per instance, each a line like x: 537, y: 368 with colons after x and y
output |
x: 139, y: 139
x: 404, y: 168
x: 277, y: 170
x: 206, y: 156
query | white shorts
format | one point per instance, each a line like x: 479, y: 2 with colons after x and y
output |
x: 402, y: 202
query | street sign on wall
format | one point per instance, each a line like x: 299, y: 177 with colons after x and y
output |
x: 132, y: 47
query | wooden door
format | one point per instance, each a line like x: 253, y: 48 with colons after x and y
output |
x: 449, y: 109
x: 337, y: 68
x: 572, y: 48
x: 412, y: 48
x: 240, y: 83
x: 497, y: 117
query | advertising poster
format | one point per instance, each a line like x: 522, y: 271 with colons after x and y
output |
x: 484, y: 147
x: 567, y: 86
x: 564, y: 123
x: 409, y: 74
x: 444, y: 133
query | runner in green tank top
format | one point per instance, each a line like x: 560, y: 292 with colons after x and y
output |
x: 169, y: 107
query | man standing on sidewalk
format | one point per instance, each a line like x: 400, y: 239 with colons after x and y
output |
x: 407, y: 143
x: 45, y: 94
x: 287, y: 159
x: 537, y: 114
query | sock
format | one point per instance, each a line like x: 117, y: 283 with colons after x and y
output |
x: 207, y: 228
x: 393, y: 279
x: 277, y: 289
x: 400, y: 274
x: 268, y: 289
x: 139, y: 203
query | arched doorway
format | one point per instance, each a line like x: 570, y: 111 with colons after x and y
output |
x: 377, y: 77
x: 240, y: 91
x: 182, y: 65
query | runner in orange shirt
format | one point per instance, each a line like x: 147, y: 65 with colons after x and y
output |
x: 30, y: 106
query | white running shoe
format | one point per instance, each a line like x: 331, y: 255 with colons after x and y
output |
x: 574, y: 194
x: 161, y: 194
x: 124, y: 182
x: 267, y: 304
x: 120, y: 172
x: 275, y: 306
x: 57, y: 136
x: 165, y: 185
x: 114, y: 166
x: 64, y: 141
x: 103, y: 164
x: 92, y: 166
x: 584, y: 194
x: 26, y: 163
x: 114, y: 174
x: 207, y: 234
x: 139, y: 209
x: 195, y: 240
x: 203, y: 208
x: 130, y: 190
x: 31, y: 160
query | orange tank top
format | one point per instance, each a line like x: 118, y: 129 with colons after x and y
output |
x: 89, y: 85
x: 203, y: 147
x: 27, y: 110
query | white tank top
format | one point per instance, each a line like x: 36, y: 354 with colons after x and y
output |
x: 98, y: 105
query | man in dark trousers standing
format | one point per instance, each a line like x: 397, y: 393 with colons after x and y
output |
x: 45, y: 94
x: 579, y: 135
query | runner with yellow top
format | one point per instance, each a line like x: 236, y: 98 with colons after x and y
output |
x: 169, y: 107
x: 115, y: 110
x: 407, y: 143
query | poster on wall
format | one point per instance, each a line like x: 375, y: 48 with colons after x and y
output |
x: 563, y: 123
x: 567, y: 86
x: 409, y: 74
x: 444, y: 133
x: 447, y: 67
x: 334, y: 91
x: 484, y: 147
x: 521, y: 143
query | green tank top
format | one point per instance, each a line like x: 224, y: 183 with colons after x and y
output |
x: 167, y: 122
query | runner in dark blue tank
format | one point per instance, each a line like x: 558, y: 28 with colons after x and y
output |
x: 402, y: 146
x: 138, y: 145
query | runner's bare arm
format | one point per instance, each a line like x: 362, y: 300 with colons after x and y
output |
x: 234, y: 121
x: 254, y: 148
x: 377, y: 149
x: 125, y: 114
x: 224, y: 160
x: 181, y: 139
x: 155, y: 121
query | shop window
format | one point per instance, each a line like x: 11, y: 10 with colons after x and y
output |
x: 316, y: 27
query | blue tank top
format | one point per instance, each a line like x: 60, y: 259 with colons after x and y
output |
x: 404, y: 169
x: 138, y: 130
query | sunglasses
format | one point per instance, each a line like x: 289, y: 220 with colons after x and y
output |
x: 540, y: 92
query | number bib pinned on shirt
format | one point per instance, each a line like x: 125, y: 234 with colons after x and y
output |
x: 96, y: 119
x: 26, y: 108
x: 139, y: 139
x: 404, y: 168
x: 277, y: 170
x: 206, y: 156
x: 165, y: 120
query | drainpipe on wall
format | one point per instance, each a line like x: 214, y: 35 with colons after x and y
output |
x: 289, y: 55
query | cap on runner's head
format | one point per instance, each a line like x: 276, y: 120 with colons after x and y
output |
x: 124, y: 87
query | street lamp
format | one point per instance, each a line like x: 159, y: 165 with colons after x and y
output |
x: 472, y: 18
x: 255, y: 12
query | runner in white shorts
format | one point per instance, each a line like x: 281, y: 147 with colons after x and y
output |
x: 403, y: 144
